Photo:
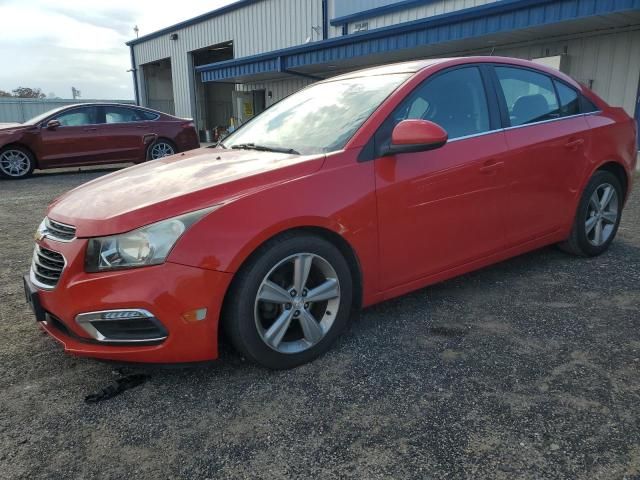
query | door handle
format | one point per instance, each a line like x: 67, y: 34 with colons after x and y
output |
x: 90, y: 129
x: 571, y: 144
x: 490, y: 167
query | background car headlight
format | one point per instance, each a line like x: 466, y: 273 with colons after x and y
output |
x: 148, y: 245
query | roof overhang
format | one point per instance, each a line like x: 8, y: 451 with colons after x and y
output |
x: 501, y: 22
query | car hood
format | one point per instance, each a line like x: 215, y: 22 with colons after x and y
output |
x: 12, y: 126
x: 161, y: 189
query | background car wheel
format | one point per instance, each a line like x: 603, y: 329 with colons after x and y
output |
x: 16, y: 163
x: 161, y: 148
x: 290, y: 302
x: 598, y: 216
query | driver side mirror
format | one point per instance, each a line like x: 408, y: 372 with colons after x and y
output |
x: 416, y: 136
x: 53, y: 124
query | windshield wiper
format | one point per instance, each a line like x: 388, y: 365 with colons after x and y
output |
x: 264, y: 148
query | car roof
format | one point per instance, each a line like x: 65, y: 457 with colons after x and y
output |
x: 415, y: 66
x: 102, y: 104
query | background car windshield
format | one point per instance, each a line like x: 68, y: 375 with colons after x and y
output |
x: 319, y: 119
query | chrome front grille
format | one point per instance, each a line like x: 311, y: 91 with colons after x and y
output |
x: 46, y: 267
x: 59, y: 231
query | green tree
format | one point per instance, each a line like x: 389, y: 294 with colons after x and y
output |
x: 26, y: 92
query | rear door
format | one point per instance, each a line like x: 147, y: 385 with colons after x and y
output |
x: 442, y: 208
x: 74, y: 141
x: 547, y: 138
x: 123, y: 132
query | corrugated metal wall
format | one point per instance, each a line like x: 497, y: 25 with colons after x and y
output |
x: 18, y: 110
x: 257, y: 28
x: 279, y: 89
x: 406, y: 15
x: 609, y: 62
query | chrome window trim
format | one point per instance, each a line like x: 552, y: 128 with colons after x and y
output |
x: 84, y: 321
x: 551, y: 120
x: 523, y: 126
x: 474, y: 135
x: 32, y: 275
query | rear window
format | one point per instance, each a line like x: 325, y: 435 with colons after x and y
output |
x: 530, y: 96
x: 119, y: 115
x: 144, y: 115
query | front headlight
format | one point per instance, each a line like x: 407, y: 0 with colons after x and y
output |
x: 145, y: 246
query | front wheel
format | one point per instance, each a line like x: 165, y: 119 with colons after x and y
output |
x: 598, y: 216
x: 290, y: 302
x: 16, y: 163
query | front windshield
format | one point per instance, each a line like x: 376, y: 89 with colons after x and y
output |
x: 37, y: 119
x: 318, y: 119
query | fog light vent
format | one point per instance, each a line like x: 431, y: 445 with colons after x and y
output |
x: 122, y: 315
x: 122, y: 326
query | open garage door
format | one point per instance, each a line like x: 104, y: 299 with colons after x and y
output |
x: 158, y: 84
x: 214, y: 100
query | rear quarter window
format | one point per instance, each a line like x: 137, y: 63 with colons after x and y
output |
x: 569, y: 100
x: 144, y: 115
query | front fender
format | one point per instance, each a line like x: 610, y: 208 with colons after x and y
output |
x: 339, y: 198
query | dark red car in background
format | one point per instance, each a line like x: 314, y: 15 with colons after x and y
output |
x: 90, y: 134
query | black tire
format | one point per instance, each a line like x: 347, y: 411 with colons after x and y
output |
x: 160, y: 141
x: 578, y: 242
x: 239, y: 316
x: 26, y: 156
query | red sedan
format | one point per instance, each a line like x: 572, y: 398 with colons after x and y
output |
x: 91, y: 134
x: 352, y: 191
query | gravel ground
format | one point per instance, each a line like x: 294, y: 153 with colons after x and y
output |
x: 528, y: 369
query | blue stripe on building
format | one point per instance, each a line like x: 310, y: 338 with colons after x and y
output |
x: 492, y: 18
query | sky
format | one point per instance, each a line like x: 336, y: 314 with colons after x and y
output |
x: 58, y: 44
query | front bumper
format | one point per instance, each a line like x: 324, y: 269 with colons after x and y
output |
x: 169, y: 291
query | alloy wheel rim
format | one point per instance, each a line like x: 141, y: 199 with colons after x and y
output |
x: 160, y: 150
x: 602, y: 215
x: 297, y: 303
x: 14, y: 163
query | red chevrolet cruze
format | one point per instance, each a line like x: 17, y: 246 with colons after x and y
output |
x: 352, y: 191
x: 91, y: 134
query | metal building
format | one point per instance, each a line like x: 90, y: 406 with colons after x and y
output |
x: 235, y: 61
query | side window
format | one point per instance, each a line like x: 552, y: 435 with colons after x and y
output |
x: 119, y: 115
x: 586, y: 105
x: 530, y: 96
x: 144, y: 115
x: 78, y: 117
x: 455, y: 100
x: 569, y: 99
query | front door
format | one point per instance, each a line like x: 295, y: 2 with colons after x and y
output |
x: 73, y: 142
x: 443, y: 208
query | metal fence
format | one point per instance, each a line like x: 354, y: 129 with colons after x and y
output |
x: 22, y: 109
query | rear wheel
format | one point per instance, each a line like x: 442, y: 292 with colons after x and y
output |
x: 290, y: 302
x: 598, y: 216
x: 161, y: 148
x: 16, y: 163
